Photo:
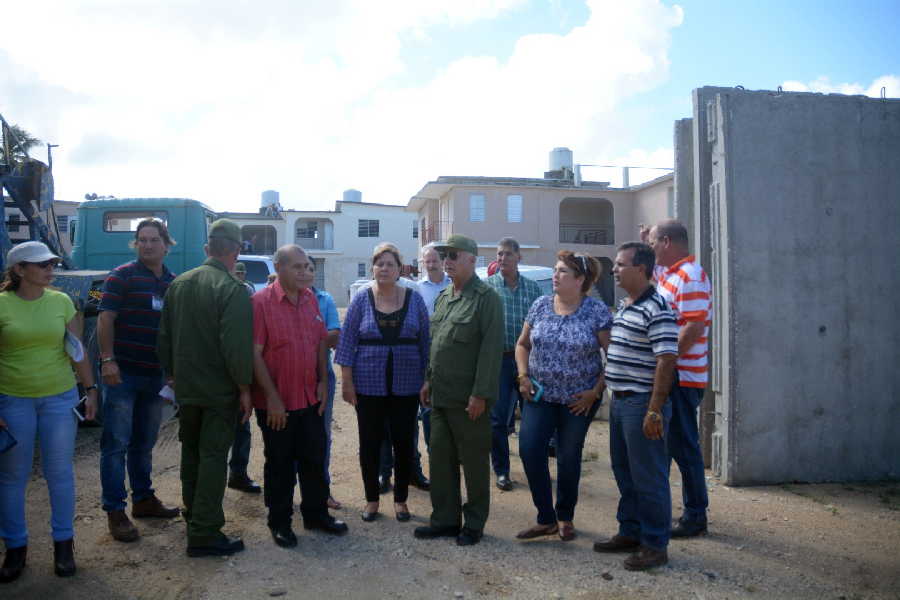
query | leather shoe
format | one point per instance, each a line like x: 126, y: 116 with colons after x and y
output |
x: 646, y: 558
x: 403, y: 516
x: 244, y: 484
x: 617, y: 543
x: 224, y: 546
x: 684, y: 528
x: 328, y: 524
x: 504, y: 483
x: 64, y: 558
x: 420, y: 481
x: 468, y: 537
x: 13, y: 564
x: 430, y: 532
x: 151, y: 507
x: 384, y: 484
x: 120, y: 526
x: 538, y: 531
x: 567, y: 533
x: 284, y: 536
x: 368, y: 517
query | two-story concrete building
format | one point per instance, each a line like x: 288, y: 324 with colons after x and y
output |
x: 340, y: 241
x: 544, y: 214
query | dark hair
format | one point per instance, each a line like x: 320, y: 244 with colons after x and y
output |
x: 11, y: 280
x: 160, y: 227
x: 510, y: 244
x: 643, y: 255
x: 674, y: 230
x: 583, y: 266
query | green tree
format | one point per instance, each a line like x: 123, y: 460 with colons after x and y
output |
x: 13, y: 134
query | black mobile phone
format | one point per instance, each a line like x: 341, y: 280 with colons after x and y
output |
x: 7, y: 440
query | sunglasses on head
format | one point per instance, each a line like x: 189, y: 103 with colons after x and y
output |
x: 452, y: 255
x: 44, y: 264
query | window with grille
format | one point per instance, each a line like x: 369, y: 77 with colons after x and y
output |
x: 514, y: 208
x: 415, y: 229
x: 307, y: 230
x: 476, y: 208
x: 368, y: 228
x: 62, y: 222
x: 361, y: 270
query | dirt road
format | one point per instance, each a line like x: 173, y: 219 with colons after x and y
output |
x: 794, y: 541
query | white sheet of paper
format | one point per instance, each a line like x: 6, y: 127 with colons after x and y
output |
x: 167, y: 393
x: 73, y: 347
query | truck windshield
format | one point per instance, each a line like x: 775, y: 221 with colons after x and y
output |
x: 127, y: 220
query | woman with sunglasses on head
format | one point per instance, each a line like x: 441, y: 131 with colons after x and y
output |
x: 383, y: 353
x: 559, y: 356
x: 37, y: 398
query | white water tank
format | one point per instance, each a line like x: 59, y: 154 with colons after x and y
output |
x: 270, y: 198
x: 352, y: 195
x: 561, y: 158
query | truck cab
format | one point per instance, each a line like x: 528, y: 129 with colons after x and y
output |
x: 105, y: 228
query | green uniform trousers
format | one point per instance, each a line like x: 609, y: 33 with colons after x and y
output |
x: 206, y: 435
x: 455, y: 440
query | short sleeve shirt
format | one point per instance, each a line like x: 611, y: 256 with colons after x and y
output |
x: 136, y: 295
x: 290, y: 335
x: 566, y: 357
x: 33, y: 360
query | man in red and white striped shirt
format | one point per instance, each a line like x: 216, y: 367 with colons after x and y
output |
x: 681, y: 281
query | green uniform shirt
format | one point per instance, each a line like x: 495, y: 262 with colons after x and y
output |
x: 206, y: 335
x: 466, y: 345
x: 516, y: 304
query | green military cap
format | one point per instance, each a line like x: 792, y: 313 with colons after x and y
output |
x: 240, y: 267
x: 458, y: 242
x: 226, y: 229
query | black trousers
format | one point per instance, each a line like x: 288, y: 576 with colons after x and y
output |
x: 375, y: 415
x: 295, y: 453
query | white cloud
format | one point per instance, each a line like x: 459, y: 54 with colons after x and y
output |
x: 823, y: 85
x: 219, y: 101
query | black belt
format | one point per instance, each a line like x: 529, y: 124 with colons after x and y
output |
x: 626, y: 393
x: 509, y: 353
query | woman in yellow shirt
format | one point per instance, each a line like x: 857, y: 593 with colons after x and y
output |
x: 37, y: 398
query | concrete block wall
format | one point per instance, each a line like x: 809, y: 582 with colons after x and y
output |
x: 797, y: 207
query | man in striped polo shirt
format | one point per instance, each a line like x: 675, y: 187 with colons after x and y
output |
x: 639, y: 371
x: 681, y: 281
x: 127, y: 327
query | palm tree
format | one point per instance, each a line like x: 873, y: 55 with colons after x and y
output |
x: 17, y: 141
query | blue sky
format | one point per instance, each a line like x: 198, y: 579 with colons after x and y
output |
x: 221, y: 100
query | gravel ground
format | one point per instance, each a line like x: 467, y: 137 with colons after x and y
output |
x: 832, y: 541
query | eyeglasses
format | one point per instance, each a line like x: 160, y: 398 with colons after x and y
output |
x: 44, y: 264
x: 452, y: 255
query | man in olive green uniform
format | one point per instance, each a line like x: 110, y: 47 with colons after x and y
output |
x: 461, y: 384
x: 205, y: 344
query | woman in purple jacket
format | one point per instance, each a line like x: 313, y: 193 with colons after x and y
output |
x: 383, y: 353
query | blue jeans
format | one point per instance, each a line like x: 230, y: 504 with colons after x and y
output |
x: 684, y: 448
x: 503, y: 408
x: 328, y: 415
x: 539, y: 422
x: 52, y: 421
x: 132, y: 412
x: 641, y: 468
x: 240, y: 448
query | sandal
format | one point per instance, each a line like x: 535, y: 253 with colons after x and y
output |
x: 333, y: 504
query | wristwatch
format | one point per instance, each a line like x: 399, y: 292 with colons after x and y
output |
x: 90, y: 387
x: 654, y: 415
x: 103, y: 361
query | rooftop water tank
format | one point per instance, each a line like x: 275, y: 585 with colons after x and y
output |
x: 270, y: 198
x: 561, y: 158
x: 352, y: 195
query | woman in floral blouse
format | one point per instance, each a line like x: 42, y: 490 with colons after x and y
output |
x: 560, y: 360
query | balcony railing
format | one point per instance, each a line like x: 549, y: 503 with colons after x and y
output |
x: 316, y: 243
x: 435, y: 231
x: 601, y: 235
